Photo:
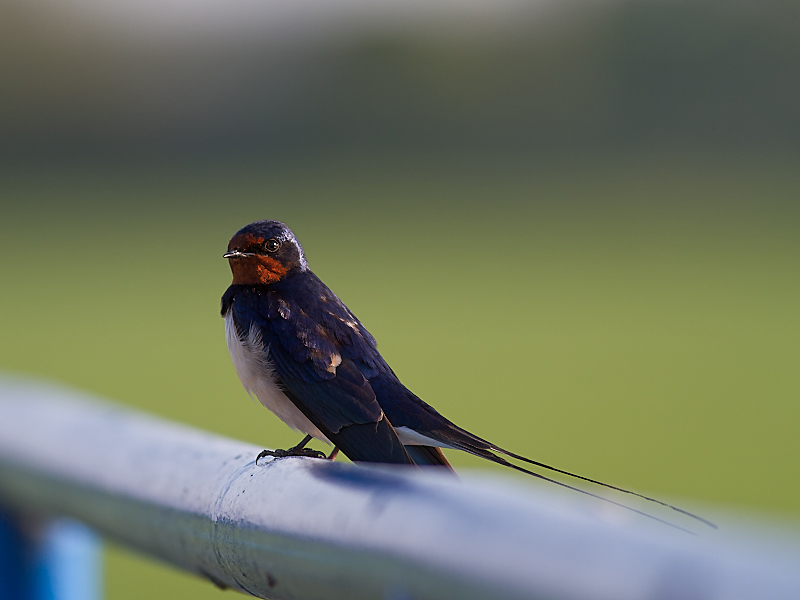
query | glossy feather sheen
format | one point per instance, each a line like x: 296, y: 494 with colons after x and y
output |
x: 257, y: 374
x: 293, y: 341
x: 309, y: 360
x: 329, y: 361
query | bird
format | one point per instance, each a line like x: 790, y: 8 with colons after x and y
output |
x: 305, y: 356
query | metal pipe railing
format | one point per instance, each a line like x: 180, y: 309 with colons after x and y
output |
x: 308, y: 528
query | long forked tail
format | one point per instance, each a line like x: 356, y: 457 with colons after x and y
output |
x: 468, y: 442
x: 447, y: 434
x: 504, y: 462
x: 606, y: 485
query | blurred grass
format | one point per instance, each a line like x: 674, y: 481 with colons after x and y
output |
x: 635, y: 321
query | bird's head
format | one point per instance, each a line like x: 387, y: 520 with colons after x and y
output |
x: 264, y: 252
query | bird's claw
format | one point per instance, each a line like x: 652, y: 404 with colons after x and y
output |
x: 308, y: 452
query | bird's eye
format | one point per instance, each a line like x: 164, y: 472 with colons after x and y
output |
x: 272, y: 245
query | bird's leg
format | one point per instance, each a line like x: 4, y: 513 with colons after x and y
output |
x: 334, y: 453
x: 302, y: 444
x: 298, y: 450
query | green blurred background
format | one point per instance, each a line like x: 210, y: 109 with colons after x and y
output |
x: 573, y: 228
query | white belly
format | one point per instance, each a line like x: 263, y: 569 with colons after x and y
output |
x: 257, y: 374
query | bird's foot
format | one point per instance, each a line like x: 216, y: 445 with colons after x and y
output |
x: 291, y: 452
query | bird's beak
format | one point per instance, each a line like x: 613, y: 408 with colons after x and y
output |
x: 234, y: 254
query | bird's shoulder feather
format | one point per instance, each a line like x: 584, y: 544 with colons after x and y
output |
x: 317, y: 347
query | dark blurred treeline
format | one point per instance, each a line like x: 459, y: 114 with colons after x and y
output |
x: 622, y: 75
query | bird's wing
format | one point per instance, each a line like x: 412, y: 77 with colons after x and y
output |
x: 405, y: 409
x: 331, y: 391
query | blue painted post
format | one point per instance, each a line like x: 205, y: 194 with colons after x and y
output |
x: 48, y: 560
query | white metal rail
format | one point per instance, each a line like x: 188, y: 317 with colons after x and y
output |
x: 307, y: 529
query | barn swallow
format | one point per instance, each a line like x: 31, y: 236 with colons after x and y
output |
x: 306, y: 357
